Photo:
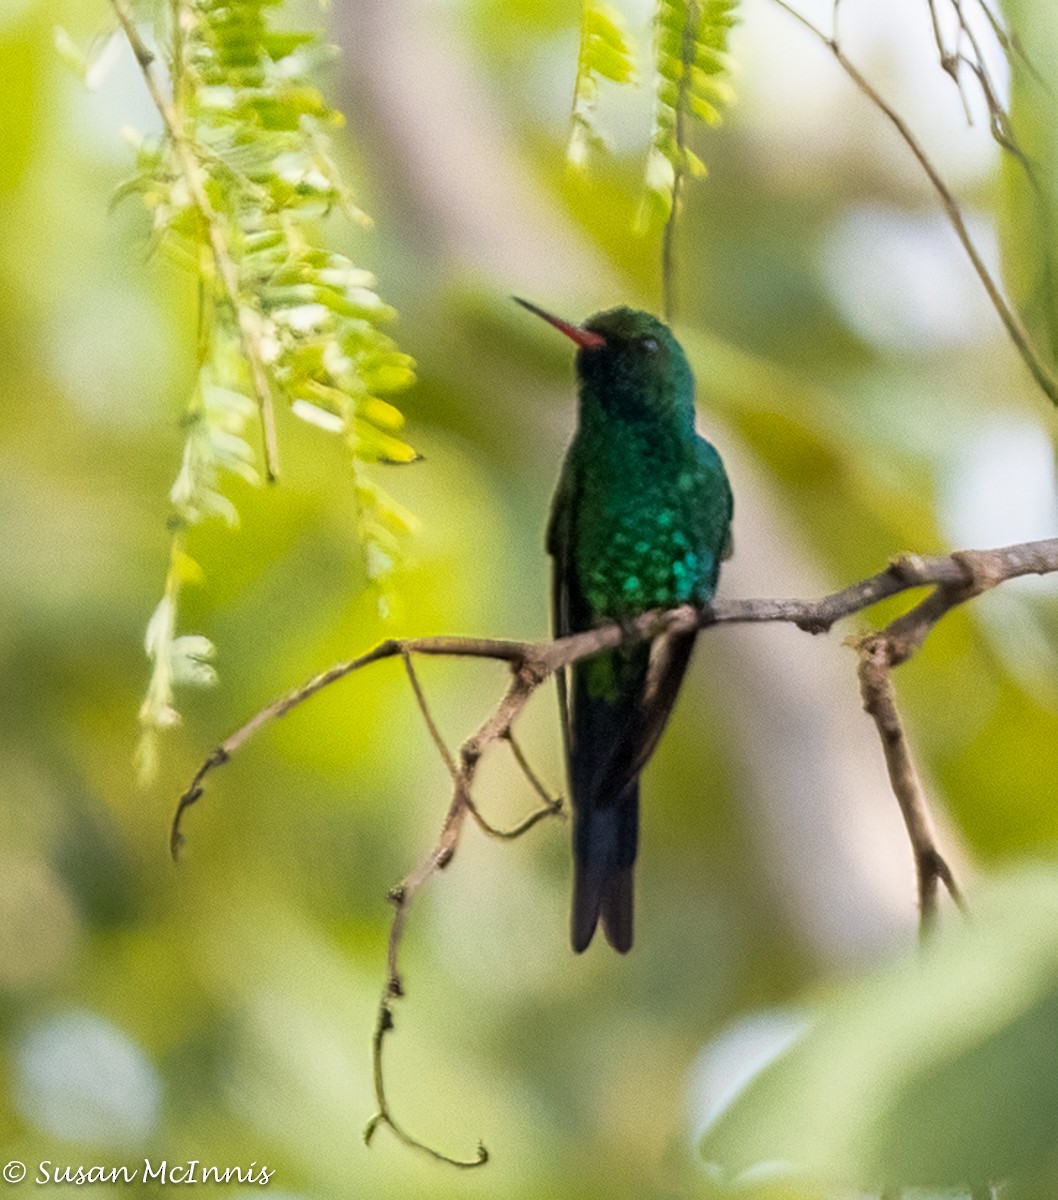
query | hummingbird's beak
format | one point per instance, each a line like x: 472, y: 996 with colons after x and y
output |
x: 583, y: 337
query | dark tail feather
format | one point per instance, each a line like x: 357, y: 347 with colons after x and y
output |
x: 604, y: 851
x: 614, y: 727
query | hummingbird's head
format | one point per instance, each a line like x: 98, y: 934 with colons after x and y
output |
x: 629, y: 362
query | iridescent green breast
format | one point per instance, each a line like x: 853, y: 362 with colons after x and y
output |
x: 649, y: 528
x: 642, y: 560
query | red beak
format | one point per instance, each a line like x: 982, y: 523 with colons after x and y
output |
x: 583, y: 337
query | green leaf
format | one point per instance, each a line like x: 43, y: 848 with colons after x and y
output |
x: 192, y: 657
x: 280, y: 45
x: 70, y: 53
x: 322, y: 418
x: 372, y: 445
x: 691, y: 61
x: 935, y: 1071
x: 91, y: 66
x: 284, y: 319
x: 606, y: 52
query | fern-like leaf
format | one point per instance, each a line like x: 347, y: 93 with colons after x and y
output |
x: 237, y: 185
x: 606, y: 52
x: 692, y: 65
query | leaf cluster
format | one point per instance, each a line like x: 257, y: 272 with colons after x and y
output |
x: 692, y: 65
x: 606, y: 52
x: 238, y: 184
x: 934, y: 1072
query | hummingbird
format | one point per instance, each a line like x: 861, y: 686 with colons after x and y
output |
x: 641, y: 519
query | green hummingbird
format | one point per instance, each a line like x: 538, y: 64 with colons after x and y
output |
x: 641, y: 519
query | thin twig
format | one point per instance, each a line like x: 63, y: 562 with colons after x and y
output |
x: 535, y: 782
x: 550, y: 808
x: 879, y: 652
x: 692, y: 19
x: 246, y: 318
x: 551, y: 805
x: 495, y: 727
x: 1016, y: 330
x: 427, y: 716
x: 949, y: 60
x: 384, y: 1116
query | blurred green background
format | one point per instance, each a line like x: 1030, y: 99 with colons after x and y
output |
x: 867, y: 403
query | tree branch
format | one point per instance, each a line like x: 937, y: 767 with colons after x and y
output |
x: 1016, y: 330
x: 496, y: 727
x: 953, y: 578
x: 879, y: 700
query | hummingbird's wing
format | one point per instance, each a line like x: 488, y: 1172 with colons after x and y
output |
x: 613, y: 709
x: 569, y: 610
x: 615, y: 734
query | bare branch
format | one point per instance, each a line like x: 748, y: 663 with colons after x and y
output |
x: 494, y: 728
x: 949, y: 59
x: 427, y: 716
x: 952, y: 62
x: 876, y: 653
x: 550, y: 801
x: 1016, y: 330
x: 953, y: 578
x: 384, y: 1116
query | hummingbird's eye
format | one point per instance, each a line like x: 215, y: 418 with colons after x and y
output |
x: 649, y: 344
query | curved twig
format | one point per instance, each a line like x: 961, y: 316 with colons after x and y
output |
x: 495, y: 727
x: 384, y: 1116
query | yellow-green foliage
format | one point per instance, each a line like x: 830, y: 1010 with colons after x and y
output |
x: 605, y: 53
x: 692, y: 64
x: 237, y: 184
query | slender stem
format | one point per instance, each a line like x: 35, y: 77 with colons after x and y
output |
x: 692, y: 19
x: 495, y: 727
x: 247, y: 319
x: 535, y: 782
x: 1017, y: 332
x: 949, y: 60
x: 427, y: 716
x: 384, y: 1115
x: 550, y: 808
